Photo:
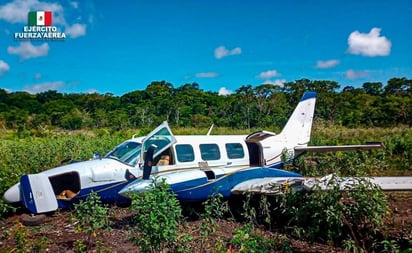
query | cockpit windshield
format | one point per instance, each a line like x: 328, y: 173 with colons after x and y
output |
x: 127, y: 152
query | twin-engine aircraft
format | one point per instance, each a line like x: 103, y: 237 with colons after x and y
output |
x: 195, y: 166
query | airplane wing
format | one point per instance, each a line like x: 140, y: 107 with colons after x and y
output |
x: 277, y: 185
x: 266, y: 185
x: 369, y: 145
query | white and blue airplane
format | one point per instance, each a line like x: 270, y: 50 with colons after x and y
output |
x: 195, y: 166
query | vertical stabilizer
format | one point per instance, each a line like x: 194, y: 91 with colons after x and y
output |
x: 298, y: 128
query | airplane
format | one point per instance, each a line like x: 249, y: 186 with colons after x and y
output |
x: 195, y: 166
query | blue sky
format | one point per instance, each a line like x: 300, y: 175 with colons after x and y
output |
x: 122, y: 46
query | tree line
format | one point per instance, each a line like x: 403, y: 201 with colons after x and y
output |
x: 374, y: 104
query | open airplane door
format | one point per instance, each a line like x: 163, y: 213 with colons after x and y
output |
x: 37, y: 193
x: 161, y: 137
x: 259, y: 136
x: 153, y: 144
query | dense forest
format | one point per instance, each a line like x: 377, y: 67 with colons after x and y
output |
x: 374, y: 104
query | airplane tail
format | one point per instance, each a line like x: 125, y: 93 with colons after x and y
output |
x: 298, y: 128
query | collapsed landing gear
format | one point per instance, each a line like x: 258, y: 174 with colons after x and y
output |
x: 32, y: 220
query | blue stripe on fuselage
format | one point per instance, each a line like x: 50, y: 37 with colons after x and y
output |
x: 225, y: 183
x: 198, y: 189
x: 108, y: 194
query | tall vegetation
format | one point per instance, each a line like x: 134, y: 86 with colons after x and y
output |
x: 90, y: 217
x: 352, y: 216
x: 157, y: 218
x: 265, y: 105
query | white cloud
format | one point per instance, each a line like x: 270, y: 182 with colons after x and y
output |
x: 74, y: 4
x: 207, y: 74
x: 92, y: 91
x: 369, y: 44
x: 26, y: 50
x: 4, y: 67
x: 91, y: 19
x: 268, y: 74
x: 221, y: 52
x: 76, y: 30
x: 17, y: 10
x: 33, y: 89
x: 327, y: 64
x: 351, y: 74
x: 224, y: 92
x: 278, y: 82
x: 37, y: 76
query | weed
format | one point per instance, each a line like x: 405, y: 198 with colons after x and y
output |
x: 215, y: 208
x: 91, y: 216
x: 21, y: 238
x: 257, y: 209
x: 157, y: 217
x: 24, y: 241
x: 356, y: 211
x: 249, y: 211
x: 389, y: 246
x: 246, y: 240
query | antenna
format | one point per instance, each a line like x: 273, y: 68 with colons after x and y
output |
x: 210, y: 130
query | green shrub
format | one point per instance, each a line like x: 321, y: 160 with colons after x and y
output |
x: 246, y: 240
x: 354, y: 213
x: 158, y: 214
x: 91, y: 216
x: 24, y: 240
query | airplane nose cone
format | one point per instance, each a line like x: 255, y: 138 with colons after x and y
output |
x: 12, y: 195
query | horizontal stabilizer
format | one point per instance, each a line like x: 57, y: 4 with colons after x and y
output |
x: 375, y: 145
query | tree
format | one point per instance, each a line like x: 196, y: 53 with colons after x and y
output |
x: 47, y: 96
x: 398, y: 87
x: 57, y: 109
x: 374, y: 89
x: 245, y: 102
x: 71, y: 121
x: 397, y: 110
x: 263, y: 93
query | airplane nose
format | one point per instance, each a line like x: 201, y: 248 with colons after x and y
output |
x: 12, y: 195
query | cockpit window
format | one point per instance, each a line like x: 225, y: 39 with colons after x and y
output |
x: 127, y: 152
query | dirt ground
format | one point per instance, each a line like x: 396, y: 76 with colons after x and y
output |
x: 57, y: 233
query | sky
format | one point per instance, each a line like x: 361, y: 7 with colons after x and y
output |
x: 122, y: 46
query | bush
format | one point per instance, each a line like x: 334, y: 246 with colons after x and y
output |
x: 91, y: 216
x: 355, y: 213
x: 158, y: 213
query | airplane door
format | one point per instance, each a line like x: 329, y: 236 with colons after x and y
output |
x: 37, y: 193
x: 255, y: 148
x: 162, y: 137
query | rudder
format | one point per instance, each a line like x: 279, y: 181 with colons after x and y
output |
x: 298, y: 128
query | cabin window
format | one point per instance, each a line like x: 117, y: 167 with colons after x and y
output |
x: 209, y: 152
x: 234, y: 150
x: 185, y: 153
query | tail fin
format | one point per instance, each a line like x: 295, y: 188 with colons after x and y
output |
x: 298, y: 128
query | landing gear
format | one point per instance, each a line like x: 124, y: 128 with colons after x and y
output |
x: 32, y: 220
